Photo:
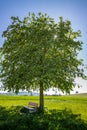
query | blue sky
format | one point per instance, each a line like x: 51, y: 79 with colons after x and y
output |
x: 73, y: 10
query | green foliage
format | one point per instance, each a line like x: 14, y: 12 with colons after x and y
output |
x: 51, y: 120
x: 77, y: 103
x: 36, y: 49
x: 39, y: 53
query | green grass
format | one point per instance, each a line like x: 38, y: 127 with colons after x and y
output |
x: 77, y: 103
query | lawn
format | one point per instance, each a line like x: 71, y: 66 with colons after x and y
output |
x: 76, y: 103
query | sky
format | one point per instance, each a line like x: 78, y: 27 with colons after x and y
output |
x: 73, y: 10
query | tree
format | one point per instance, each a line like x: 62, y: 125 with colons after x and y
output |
x: 39, y: 53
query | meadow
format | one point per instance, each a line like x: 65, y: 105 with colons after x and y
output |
x: 76, y: 103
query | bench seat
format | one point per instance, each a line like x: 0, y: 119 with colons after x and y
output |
x: 32, y: 107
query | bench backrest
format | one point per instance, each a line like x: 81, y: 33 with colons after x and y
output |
x: 33, y: 104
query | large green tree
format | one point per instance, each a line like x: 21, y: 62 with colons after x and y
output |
x: 39, y: 53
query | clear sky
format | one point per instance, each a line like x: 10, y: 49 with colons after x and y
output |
x: 73, y: 10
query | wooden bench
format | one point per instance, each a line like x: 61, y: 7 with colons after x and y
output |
x: 32, y: 107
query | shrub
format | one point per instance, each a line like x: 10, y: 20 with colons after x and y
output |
x: 12, y: 119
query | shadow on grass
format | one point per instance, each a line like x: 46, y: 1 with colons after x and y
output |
x: 12, y: 119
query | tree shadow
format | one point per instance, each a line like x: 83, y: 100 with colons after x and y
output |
x: 12, y: 119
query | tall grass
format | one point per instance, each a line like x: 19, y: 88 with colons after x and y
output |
x: 77, y: 103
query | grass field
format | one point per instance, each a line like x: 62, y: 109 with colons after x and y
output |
x: 77, y: 103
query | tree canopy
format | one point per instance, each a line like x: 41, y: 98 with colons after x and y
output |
x: 40, y: 53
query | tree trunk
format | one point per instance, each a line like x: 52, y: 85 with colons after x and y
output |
x: 41, y: 97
